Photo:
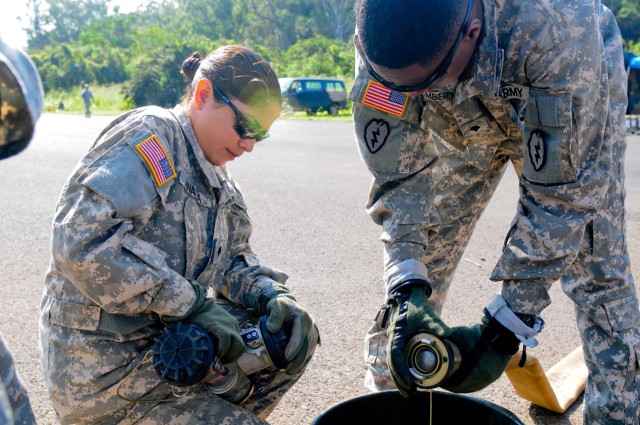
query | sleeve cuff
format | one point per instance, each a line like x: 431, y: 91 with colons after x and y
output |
x: 525, y: 296
x: 410, y: 269
x: 500, y: 311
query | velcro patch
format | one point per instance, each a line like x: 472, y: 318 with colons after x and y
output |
x: 156, y: 158
x: 375, y: 134
x: 384, y: 99
x: 537, y: 149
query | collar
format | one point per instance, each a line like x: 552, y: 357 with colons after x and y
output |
x: 217, y: 177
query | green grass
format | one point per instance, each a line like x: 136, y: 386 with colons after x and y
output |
x: 343, y: 115
x: 109, y: 100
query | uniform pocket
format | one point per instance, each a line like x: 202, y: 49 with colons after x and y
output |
x: 149, y: 253
x: 478, y: 123
x: 71, y: 315
x: 622, y: 314
x: 199, y: 240
x: 389, y: 144
x: 410, y: 214
x: 621, y: 319
x: 230, y: 238
x: 550, y: 146
x: 467, y: 130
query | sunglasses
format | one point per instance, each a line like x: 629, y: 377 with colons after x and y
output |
x: 440, y: 72
x: 245, y: 127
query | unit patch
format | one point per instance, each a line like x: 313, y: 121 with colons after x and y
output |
x: 384, y: 99
x: 537, y: 150
x: 156, y: 158
x: 375, y: 134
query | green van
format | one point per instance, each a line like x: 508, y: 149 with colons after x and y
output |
x: 314, y: 94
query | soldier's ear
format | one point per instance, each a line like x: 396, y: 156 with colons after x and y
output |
x: 473, y: 30
x: 203, y: 93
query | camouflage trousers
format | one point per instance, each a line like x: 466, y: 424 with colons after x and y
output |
x: 601, y: 288
x: 133, y: 393
x: 15, y: 407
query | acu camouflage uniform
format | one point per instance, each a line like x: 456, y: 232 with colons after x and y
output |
x: 15, y: 407
x: 126, y: 238
x: 545, y: 91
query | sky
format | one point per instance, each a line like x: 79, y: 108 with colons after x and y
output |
x: 10, y: 29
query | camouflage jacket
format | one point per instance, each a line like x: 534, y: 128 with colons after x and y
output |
x: 547, y: 74
x: 143, y: 213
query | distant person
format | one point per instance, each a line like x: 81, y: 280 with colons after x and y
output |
x: 147, y: 224
x: 61, y: 106
x: 21, y: 107
x: 88, y: 98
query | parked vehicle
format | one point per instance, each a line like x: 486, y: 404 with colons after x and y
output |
x: 314, y: 94
x: 632, y: 63
x: 633, y: 72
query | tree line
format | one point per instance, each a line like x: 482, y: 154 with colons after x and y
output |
x: 89, y: 41
x: 74, y: 42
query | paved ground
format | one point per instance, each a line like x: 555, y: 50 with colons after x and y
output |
x: 306, y: 189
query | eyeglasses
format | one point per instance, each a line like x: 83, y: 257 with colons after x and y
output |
x: 245, y: 126
x: 440, y: 72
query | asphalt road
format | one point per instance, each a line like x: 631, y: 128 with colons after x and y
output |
x: 306, y: 189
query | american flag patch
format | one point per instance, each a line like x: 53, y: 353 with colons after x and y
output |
x: 156, y: 158
x: 384, y: 99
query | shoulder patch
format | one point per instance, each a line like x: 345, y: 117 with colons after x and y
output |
x: 375, y: 134
x: 157, y: 160
x: 536, y: 148
x: 384, y: 99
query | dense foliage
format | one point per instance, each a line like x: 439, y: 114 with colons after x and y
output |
x: 627, y: 14
x: 88, y: 41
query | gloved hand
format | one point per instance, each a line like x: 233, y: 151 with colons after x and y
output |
x: 280, y: 305
x: 486, y: 349
x: 410, y: 314
x: 214, y: 319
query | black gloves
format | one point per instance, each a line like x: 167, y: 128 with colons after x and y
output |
x: 410, y: 313
x: 486, y: 349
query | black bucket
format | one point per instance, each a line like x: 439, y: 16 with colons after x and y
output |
x: 433, y: 407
